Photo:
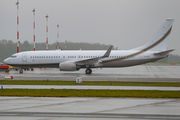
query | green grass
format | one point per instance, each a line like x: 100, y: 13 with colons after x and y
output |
x: 101, y: 83
x: 90, y: 93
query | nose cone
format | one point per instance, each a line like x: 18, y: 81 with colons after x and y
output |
x: 7, y: 61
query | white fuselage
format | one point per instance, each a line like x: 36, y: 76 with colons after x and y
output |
x: 117, y: 58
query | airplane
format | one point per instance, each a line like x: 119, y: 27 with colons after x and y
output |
x: 74, y: 60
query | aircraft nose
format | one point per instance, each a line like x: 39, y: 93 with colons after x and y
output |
x: 7, y: 61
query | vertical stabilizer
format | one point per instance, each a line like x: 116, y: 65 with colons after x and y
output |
x: 160, y: 40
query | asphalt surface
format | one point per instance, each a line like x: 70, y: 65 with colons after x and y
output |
x: 143, y: 73
x: 80, y: 108
x: 55, y: 108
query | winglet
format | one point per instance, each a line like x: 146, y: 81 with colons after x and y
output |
x: 108, y: 52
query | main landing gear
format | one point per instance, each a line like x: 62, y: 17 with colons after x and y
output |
x: 88, y: 71
x: 21, y: 70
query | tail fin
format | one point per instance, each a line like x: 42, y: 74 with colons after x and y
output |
x: 160, y: 40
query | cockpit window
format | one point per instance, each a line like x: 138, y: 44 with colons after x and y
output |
x: 13, y: 56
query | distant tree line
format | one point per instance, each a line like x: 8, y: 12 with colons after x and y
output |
x: 8, y: 47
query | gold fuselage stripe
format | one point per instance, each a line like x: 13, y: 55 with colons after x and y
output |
x: 143, y: 50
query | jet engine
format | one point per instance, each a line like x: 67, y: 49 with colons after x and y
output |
x: 68, y: 66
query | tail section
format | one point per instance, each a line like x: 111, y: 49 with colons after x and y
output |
x: 160, y: 40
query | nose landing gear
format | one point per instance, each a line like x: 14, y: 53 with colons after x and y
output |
x: 88, y: 71
x: 20, y: 71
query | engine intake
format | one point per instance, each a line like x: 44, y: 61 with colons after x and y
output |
x: 67, y: 66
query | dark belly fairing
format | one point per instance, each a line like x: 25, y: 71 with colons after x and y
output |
x: 127, y: 63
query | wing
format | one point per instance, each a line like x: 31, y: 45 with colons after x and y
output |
x: 93, y: 61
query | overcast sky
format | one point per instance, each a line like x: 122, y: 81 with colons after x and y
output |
x: 125, y: 24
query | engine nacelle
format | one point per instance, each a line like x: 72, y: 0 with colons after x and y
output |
x: 67, y: 66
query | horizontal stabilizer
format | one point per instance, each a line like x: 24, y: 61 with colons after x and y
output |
x: 164, y: 52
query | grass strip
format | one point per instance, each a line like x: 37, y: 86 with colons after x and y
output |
x: 90, y: 93
x: 101, y: 83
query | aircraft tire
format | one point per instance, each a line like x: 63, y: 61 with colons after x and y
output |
x: 21, y: 71
x: 88, y: 71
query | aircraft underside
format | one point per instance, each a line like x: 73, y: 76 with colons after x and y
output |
x: 124, y: 63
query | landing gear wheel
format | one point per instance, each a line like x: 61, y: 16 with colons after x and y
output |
x: 21, y: 71
x: 88, y: 71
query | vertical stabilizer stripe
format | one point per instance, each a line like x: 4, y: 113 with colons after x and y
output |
x: 143, y: 50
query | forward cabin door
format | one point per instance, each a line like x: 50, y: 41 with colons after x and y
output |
x: 24, y: 57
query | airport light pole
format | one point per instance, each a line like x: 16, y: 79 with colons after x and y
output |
x: 57, y: 36
x: 17, y: 3
x: 47, y: 31
x: 34, y: 27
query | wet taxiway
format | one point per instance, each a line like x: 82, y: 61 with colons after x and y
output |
x: 136, y: 73
x: 80, y: 108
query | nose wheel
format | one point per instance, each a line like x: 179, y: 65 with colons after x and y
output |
x: 88, y: 71
x: 20, y: 71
